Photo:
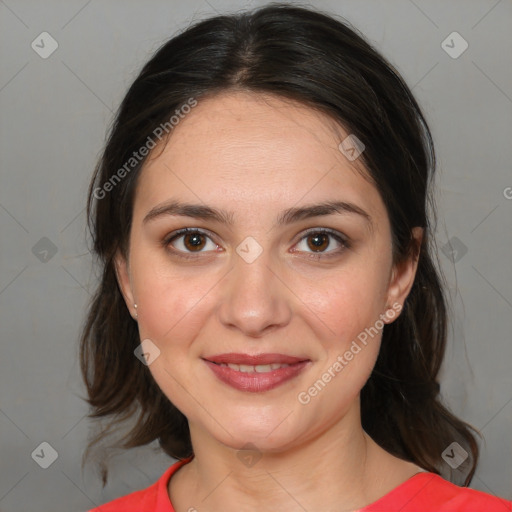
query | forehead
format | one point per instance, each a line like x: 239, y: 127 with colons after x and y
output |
x: 250, y: 150
x: 258, y: 125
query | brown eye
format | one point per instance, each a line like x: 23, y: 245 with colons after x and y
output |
x: 194, y: 242
x: 188, y: 241
x: 322, y: 242
x: 319, y: 242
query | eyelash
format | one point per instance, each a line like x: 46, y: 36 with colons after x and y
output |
x: 342, y: 240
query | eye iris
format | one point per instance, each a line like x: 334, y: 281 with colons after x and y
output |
x: 196, y: 241
x: 320, y: 242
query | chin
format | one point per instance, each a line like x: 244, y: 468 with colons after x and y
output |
x: 270, y: 432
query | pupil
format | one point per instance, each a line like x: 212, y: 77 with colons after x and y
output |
x: 194, y: 240
x: 319, y: 241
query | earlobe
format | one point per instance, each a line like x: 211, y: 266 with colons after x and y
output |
x: 403, y: 275
x: 123, y: 278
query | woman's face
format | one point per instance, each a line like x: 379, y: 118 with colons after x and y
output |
x: 267, y: 270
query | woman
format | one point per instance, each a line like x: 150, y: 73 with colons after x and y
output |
x: 269, y: 308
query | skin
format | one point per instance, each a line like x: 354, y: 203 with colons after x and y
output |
x: 256, y: 156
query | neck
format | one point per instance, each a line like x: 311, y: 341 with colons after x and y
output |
x: 339, y: 469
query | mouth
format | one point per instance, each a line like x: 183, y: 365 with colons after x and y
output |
x: 259, y: 368
x: 255, y: 373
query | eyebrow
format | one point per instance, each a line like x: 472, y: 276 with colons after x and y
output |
x: 289, y: 216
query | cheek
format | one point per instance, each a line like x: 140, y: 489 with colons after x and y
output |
x: 167, y: 315
x: 349, y: 300
x: 172, y: 303
x: 173, y: 312
x: 349, y: 355
x: 350, y: 304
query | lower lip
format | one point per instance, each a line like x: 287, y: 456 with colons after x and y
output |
x: 254, y: 381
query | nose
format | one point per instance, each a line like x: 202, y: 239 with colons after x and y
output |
x: 255, y: 298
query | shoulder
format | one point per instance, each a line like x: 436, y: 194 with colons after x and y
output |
x: 144, y: 499
x: 451, y: 497
x: 152, y: 499
x: 428, y: 492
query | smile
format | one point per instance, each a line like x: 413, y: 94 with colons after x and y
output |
x: 260, y: 368
x: 272, y: 371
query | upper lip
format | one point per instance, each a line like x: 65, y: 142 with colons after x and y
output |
x: 253, y: 360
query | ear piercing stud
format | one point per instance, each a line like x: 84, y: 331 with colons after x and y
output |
x: 135, y: 306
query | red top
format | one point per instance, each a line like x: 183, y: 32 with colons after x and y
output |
x: 423, y: 492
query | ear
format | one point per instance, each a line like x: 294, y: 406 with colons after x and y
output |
x: 403, y: 274
x: 122, y: 269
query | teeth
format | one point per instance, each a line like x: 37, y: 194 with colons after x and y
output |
x: 262, y: 368
x: 259, y: 368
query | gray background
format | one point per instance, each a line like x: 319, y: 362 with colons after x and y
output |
x: 54, y: 115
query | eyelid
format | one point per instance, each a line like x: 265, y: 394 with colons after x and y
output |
x: 184, y: 231
x: 329, y: 231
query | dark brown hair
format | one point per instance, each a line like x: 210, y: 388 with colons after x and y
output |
x: 313, y: 58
